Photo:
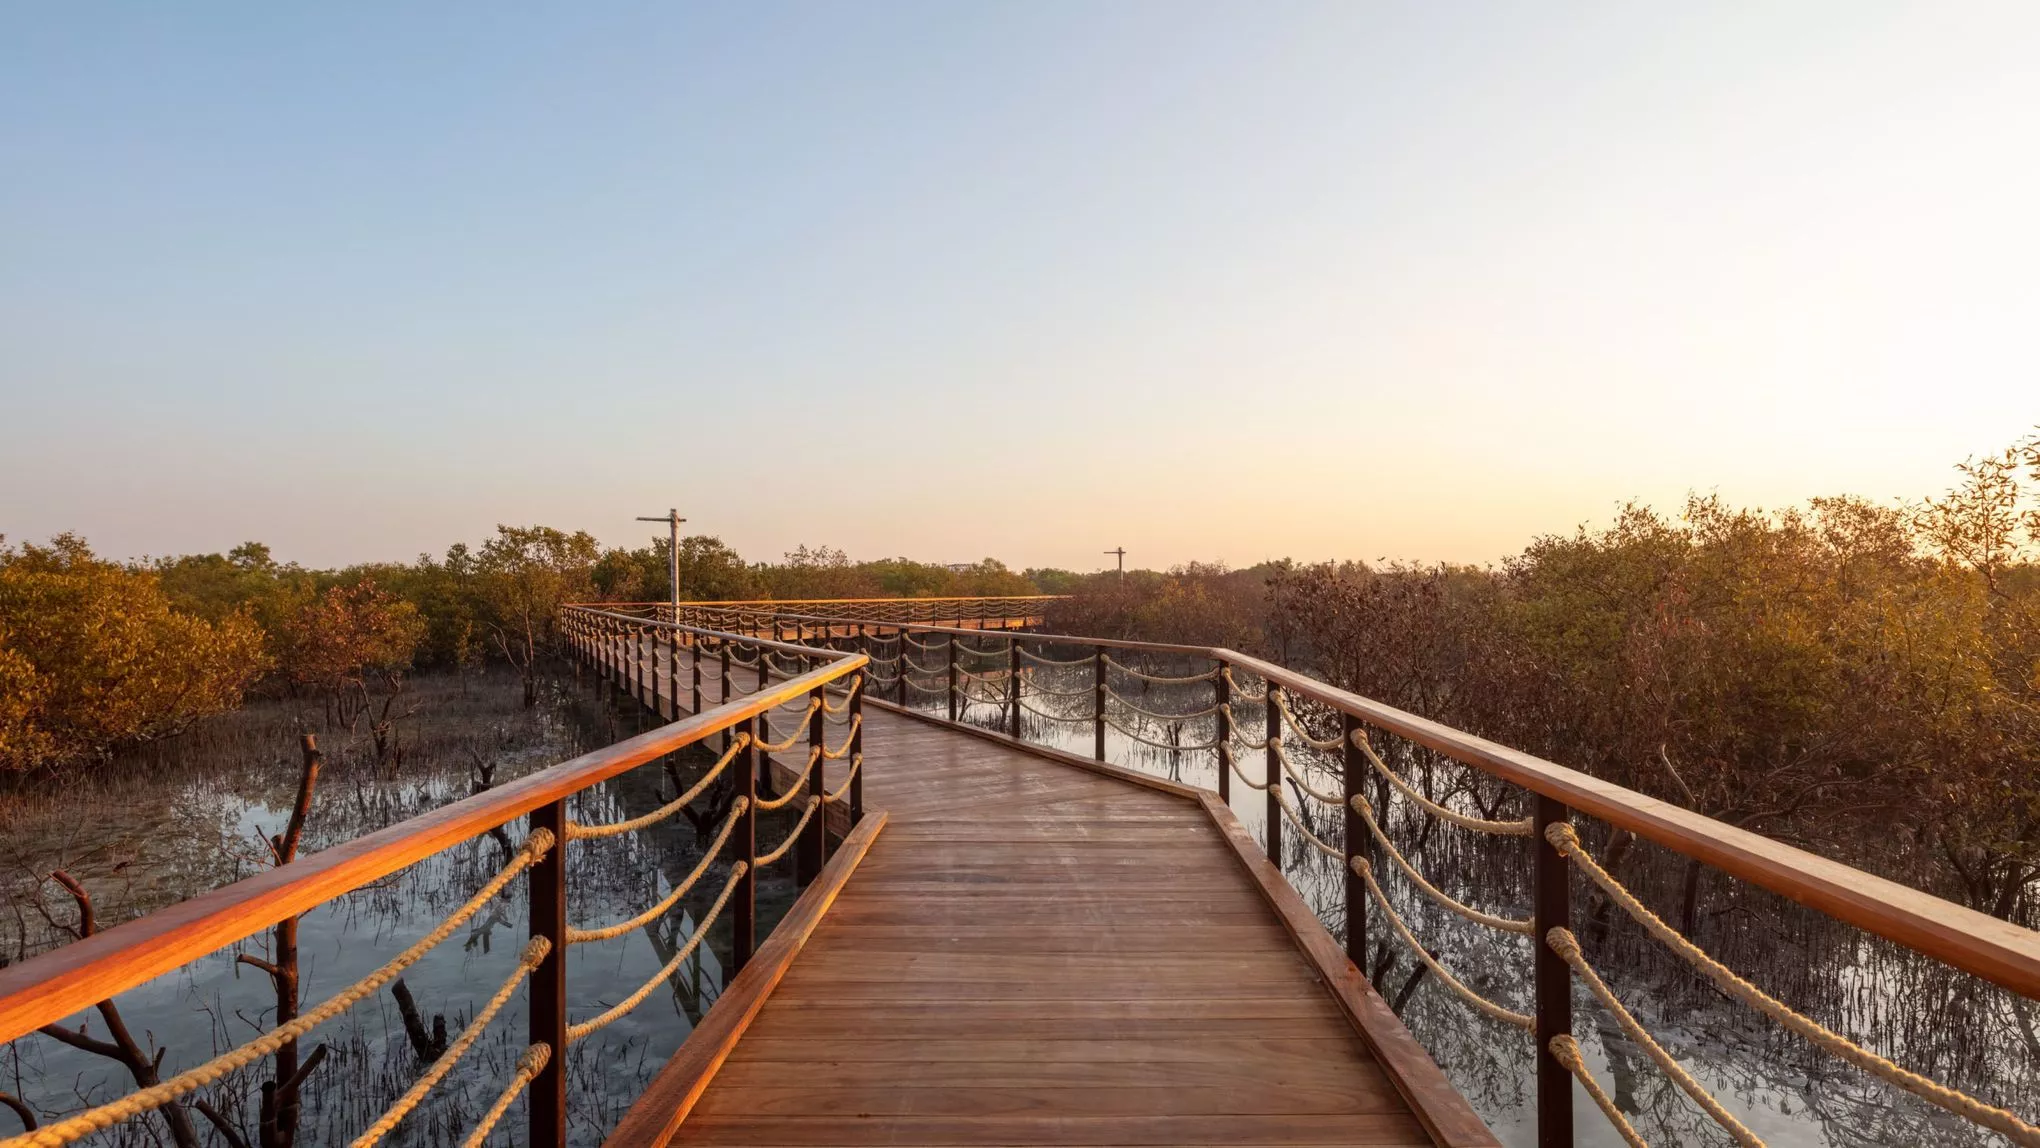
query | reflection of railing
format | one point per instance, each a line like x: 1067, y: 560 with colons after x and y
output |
x: 43, y: 991
x: 1318, y: 750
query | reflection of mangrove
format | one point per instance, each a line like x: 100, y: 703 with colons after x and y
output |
x: 375, y: 1052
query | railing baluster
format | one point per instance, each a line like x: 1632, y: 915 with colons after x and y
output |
x: 857, y: 687
x: 1013, y: 686
x: 694, y: 645
x: 1552, y: 910
x: 547, y: 1104
x: 1098, y: 699
x: 1274, y: 735
x: 1222, y: 698
x: 950, y: 648
x: 673, y: 670
x: 900, y: 684
x: 744, y: 903
x: 813, y: 849
x: 722, y: 645
x: 1357, y: 844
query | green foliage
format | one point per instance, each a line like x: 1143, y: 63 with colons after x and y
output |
x: 94, y: 655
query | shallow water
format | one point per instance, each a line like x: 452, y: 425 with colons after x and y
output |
x: 215, y: 1003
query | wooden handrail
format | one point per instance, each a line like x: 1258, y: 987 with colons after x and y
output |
x: 50, y: 987
x: 1974, y: 942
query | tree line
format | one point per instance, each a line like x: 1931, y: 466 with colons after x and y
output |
x: 97, y: 655
x: 1859, y: 679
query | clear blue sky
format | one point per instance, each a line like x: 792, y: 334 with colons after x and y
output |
x: 1021, y: 279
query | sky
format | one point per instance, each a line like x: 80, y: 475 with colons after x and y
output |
x: 1022, y: 279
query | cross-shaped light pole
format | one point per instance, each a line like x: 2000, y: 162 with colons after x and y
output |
x: 1120, y: 553
x: 671, y: 518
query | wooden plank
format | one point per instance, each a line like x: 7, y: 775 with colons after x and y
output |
x: 656, y: 1114
x: 1074, y: 1093
x: 1293, y: 1129
x: 1445, y: 1114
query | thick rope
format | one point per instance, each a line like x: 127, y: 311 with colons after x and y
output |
x: 1566, y: 841
x: 1504, y: 924
x: 579, y: 832
x: 1039, y: 712
x: 529, y: 1066
x: 918, y: 668
x: 1158, y: 744
x: 856, y: 763
x: 1567, y: 946
x: 534, y: 951
x: 708, y: 856
x: 793, y: 738
x: 837, y: 754
x: 1479, y: 1002
x: 1241, y: 692
x: 1249, y: 782
x: 813, y: 804
x: 1033, y: 657
x: 1295, y: 723
x: 1162, y: 679
x: 1034, y: 686
x: 856, y: 684
x: 148, y: 1099
x: 577, y: 1031
x: 1115, y: 695
x: 1567, y: 1052
x: 942, y: 645
x: 793, y: 790
x: 1523, y: 828
x: 1295, y: 818
x: 1297, y: 779
x: 1232, y: 732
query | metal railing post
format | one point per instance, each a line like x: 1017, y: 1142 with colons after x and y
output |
x: 694, y: 645
x: 1013, y: 686
x: 723, y: 645
x: 1098, y: 699
x: 813, y: 848
x: 1552, y: 910
x: 1357, y: 845
x: 900, y: 684
x: 547, y: 1101
x: 673, y: 669
x: 857, y: 686
x: 950, y: 648
x: 1222, y: 698
x: 1274, y: 775
x: 744, y: 904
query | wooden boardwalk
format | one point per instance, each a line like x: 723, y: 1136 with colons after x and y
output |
x: 1031, y: 952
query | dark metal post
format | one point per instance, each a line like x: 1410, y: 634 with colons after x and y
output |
x: 1357, y: 844
x: 900, y: 640
x: 694, y: 645
x: 950, y: 648
x: 1098, y: 698
x: 1222, y: 698
x: 813, y: 848
x: 1274, y: 732
x: 1013, y: 686
x: 857, y: 744
x: 723, y: 644
x: 673, y: 667
x: 547, y: 1102
x: 744, y: 903
x: 1552, y: 910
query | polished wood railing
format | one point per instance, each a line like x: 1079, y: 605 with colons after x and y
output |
x: 1025, y: 687
x: 47, y: 989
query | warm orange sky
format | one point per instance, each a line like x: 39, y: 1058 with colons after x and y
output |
x: 1206, y: 280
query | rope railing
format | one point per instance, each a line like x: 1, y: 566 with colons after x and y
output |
x: 1241, y: 692
x: 1160, y: 679
x: 1567, y: 1052
x: 1402, y: 930
x: 621, y: 1008
x: 1144, y: 740
x: 1289, y: 715
x: 849, y: 739
x: 764, y: 859
x: 1523, y: 926
x: 1522, y: 828
x: 1045, y: 661
x: 708, y: 856
x: 1566, y: 840
x: 578, y: 832
x: 793, y: 789
x: 1158, y: 715
x: 529, y: 1064
x: 1295, y: 818
x: 793, y: 738
x: 534, y: 951
x: 831, y: 797
x: 148, y: 1099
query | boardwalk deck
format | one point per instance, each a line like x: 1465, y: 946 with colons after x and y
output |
x: 1033, y: 953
